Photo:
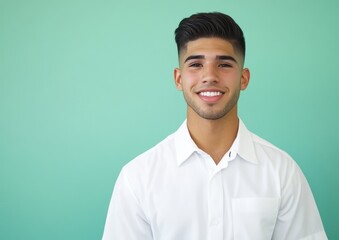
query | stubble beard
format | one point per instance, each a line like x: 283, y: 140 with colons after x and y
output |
x: 207, y: 112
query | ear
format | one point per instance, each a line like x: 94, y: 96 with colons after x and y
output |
x: 245, y: 78
x: 177, y: 79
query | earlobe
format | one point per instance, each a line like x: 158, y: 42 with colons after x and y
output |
x: 177, y: 79
x: 245, y: 78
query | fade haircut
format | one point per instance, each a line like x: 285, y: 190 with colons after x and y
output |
x: 214, y: 24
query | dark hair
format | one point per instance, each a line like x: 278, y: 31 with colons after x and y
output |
x: 214, y: 24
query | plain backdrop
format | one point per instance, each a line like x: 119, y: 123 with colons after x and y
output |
x: 85, y: 86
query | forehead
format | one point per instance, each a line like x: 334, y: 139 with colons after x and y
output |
x: 209, y: 47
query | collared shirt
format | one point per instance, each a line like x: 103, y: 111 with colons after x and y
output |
x: 175, y: 191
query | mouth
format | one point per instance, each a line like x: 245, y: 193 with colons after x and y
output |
x: 210, y: 96
x: 210, y: 93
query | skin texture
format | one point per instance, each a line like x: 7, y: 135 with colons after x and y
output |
x: 211, y: 76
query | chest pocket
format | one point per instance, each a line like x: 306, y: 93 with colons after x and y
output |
x: 254, y: 218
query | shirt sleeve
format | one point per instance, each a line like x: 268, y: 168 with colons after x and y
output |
x: 125, y: 218
x: 298, y: 217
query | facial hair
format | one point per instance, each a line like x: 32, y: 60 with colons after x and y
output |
x: 207, y: 112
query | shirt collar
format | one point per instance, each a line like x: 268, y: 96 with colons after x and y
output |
x: 184, y: 144
x: 246, y: 148
x: 243, y: 145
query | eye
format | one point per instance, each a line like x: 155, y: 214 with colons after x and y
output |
x: 195, y: 65
x: 225, y: 65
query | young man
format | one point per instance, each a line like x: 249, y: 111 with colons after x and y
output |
x: 212, y: 179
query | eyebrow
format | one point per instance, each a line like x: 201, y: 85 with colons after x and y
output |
x: 194, y: 57
x: 219, y: 57
x: 226, y: 57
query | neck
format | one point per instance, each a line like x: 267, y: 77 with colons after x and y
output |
x: 215, y: 137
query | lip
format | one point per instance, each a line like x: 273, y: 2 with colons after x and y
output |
x: 212, y: 95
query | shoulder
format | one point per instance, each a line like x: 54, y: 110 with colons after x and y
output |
x: 278, y: 162
x: 140, y: 174
x: 155, y: 158
x: 258, y: 150
x: 265, y: 148
x: 274, y: 158
x: 268, y: 147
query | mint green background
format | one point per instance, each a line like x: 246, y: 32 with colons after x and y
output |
x: 85, y: 86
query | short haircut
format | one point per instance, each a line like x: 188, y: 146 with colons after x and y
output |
x: 214, y: 24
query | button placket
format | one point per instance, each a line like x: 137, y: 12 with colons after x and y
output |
x: 216, y: 206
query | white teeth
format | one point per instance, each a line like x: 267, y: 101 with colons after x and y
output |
x: 210, y: 94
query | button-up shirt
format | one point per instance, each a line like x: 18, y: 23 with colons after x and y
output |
x: 175, y: 191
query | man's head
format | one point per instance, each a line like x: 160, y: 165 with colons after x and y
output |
x: 211, y: 57
x: 215, y: 24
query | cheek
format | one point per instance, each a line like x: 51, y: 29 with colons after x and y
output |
x: 189, y: 79
x: 232, y: 79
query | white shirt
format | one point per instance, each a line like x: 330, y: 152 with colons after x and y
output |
x: 175, y: 191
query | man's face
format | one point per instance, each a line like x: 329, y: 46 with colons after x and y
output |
x: 211, y: 76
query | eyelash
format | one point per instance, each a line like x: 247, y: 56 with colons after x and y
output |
x: 225, y: 65
x: 195, y: 65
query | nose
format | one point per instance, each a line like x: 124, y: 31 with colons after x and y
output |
x: 210, y: 74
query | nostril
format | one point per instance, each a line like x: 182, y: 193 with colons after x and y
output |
x: 210, y: 80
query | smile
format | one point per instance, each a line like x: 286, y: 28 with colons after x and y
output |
x: 210, y: 94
